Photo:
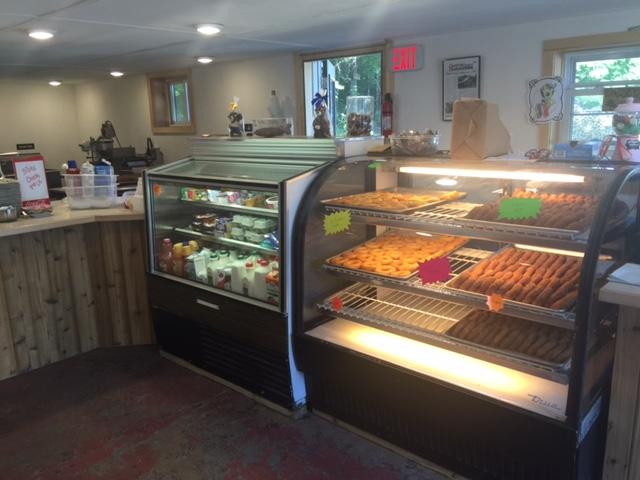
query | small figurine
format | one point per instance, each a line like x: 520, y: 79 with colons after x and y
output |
x: 236, y: 120
x: 321, y: 124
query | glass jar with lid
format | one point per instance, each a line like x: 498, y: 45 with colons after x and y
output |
x: 359, y: 115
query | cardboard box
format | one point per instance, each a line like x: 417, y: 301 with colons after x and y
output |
x: 477, y: 132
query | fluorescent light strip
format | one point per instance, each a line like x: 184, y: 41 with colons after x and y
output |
x: 499, y: 174
x: 557, y: 251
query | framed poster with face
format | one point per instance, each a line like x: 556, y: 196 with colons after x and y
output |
x: 460, y: 78
x: 31, y: 175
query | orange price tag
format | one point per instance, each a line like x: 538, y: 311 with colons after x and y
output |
x: 495, y: 302
x: 337, y: 304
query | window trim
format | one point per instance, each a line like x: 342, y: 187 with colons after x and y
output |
x: 160, y: 103
x: 570, y: 59
x: 385, y: 49
x: 553, y: 52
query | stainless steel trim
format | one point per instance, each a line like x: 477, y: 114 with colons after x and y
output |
x: 208, y: 304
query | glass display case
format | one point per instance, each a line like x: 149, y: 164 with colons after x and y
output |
x: 460, y: 308
x: 219, y: 228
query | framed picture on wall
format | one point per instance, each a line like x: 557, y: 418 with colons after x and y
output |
x: 460, y: 78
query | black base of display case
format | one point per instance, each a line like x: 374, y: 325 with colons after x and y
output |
x: 466, y: 433
x: 240, y: 343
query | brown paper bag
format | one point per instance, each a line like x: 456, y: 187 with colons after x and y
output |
x: 477, y: 132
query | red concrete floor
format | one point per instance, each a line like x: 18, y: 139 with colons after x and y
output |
x: 127, y: 414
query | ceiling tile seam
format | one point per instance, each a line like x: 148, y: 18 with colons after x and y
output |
x: 31, y: 18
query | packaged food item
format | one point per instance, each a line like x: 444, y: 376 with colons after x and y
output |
x: 253, y: 237
x: 264, y: 225
x: 237, y: 233
x: 272, y: 281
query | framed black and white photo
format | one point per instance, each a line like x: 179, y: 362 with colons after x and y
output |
x: 460, y: 78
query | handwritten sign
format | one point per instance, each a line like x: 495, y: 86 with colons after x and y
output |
x: 337, y: 222
x: 519, y: 208
x: 436, y: 270
x: 31, y: 174
x: 495, y: 302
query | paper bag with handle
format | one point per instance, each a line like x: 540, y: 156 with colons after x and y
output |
x: 477, y: 132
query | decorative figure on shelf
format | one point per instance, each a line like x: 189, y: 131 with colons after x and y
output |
x: 321, y: 124
x: 236, y: 120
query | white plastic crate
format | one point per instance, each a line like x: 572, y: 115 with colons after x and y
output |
x: 90, y: 191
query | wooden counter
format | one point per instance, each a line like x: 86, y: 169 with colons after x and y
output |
x: 622, y: 458
x: 70, y: 283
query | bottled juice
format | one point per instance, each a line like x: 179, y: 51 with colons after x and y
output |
x: 238, y: 269
x: 165, y: 259
x: 273, y: 287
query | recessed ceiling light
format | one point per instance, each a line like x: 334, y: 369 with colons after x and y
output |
x: 55, y: 83
x: 41, y: 34
x: 116, y: 73
x: 205, y: 60
x: 209, y: 28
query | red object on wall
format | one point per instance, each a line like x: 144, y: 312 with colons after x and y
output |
x: 405, y: 58
x: 387, y: 115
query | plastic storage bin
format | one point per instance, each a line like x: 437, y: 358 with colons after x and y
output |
x: 90, y: 191
x: 273, y: 127
x: 415, y: 145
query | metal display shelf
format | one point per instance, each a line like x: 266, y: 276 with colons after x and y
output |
x: 426, y: 319
x: 449, y: 219
x: 262, y: 212
x: 226, y: 241
x: 461, y: 260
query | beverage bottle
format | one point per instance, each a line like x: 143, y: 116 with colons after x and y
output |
x: 178, y: 261
x: 273, y: 287
x: 260, y: 279
x: 88, y: 172
x: 238, y: 270
x: 164, y: 260
x: 248, y: 282
x: 211, y: 267
x: 74, y: 182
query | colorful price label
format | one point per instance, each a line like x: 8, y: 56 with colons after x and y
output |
x: 374, y: 165
x: 519, y: 208
x: 337, y: 304
x: 337, y: 222
x: 495, y: 302
x: 437, y: 270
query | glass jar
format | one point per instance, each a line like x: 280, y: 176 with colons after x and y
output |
x: 359, y: 116
x: 626, y: 118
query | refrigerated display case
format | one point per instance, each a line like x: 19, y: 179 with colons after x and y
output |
x: 458, y: 316
x: 219, y: 233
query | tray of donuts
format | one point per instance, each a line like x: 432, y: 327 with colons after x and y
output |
x: 395, y: 200
x: 502, y: 334
x: 395, y: 254
x: 546, y: 280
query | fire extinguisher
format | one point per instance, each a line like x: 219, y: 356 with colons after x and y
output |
x: 387, y: 116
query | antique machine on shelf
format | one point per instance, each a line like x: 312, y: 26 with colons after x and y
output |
x: 457, y: 317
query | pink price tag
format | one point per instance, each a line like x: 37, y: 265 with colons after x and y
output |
x: 437, y: 270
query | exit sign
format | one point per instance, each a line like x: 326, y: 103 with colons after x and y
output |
x: 407, y: 58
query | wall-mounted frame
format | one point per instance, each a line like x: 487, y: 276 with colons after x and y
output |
x: 171, y: 103
x: 460, y: 78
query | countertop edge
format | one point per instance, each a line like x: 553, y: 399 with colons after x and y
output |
x: 621, y: 294
x: 64, y: 217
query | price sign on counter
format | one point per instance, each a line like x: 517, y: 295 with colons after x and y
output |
x: 519, y: 208
x: 374, y: 165
x: 31, y: 175
x: 437, y: 270
x: 337, y: 222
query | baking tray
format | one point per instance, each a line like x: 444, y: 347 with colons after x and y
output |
x: 375, y: 274
x: 331, y: 201
x: 481, y: 297
x: 566, y: 365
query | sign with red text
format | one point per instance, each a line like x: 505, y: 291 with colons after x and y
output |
x: 407, y: 58
x: 31, y: 174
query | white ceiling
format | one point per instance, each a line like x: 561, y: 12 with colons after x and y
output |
x: 93, y: 37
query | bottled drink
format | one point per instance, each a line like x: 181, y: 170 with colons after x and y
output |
x: 260, y: 279
x: 165, y: 258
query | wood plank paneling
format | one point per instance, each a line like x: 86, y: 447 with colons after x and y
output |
x: 70, y: 290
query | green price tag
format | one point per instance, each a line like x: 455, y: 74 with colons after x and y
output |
x: 373, y: 165
x: 337, y: 222
x: 519, y: 208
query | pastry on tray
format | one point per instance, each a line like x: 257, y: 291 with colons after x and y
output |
x: 395, y: 255
x: 565, y: 211
x: 544, y: 342
x: 394, y: 201
x: 537, y: 278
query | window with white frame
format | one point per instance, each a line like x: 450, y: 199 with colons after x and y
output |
x: 588, y: 76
